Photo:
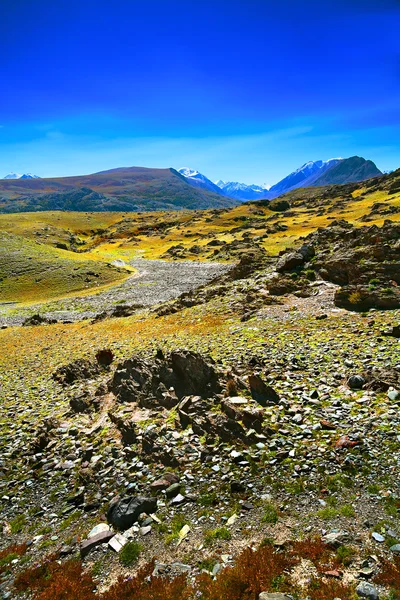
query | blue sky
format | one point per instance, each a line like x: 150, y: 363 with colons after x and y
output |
x: 241, y: 90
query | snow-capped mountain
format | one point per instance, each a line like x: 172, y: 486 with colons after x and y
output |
x: 243, y: 191
x: 199, y: 180
x: 13, y: 176
x: 303, y: 176
x: 24, y: 176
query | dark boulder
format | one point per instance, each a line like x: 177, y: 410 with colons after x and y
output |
x: 165, y: 381
x: 38, y: 320
x: 356, y: 382
x: 261, y: 392
x: 126, y: 511
x: 105, y: 357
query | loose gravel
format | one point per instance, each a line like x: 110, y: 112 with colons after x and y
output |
x: 155, y: 281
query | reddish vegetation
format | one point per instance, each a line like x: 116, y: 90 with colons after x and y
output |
x: 321, y: 555
x: 265, y: 569
x: 326, y: 589
x: 390, y: 576
x: 15, y: 549
x: 53, y: 580
x: 143, y: 587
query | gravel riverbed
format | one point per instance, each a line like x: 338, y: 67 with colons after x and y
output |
x: 155, y: 281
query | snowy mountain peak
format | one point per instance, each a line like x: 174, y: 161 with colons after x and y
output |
x: 13, y: 176
x: 199, y: 180
x: 187, y: 172
x: 19, y: 176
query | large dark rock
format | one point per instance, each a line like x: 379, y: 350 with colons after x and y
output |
x: 261, y: 392
x: 295, y: 259
x: 125, y: 512
x: 363, y: 298
x: 38, y: 320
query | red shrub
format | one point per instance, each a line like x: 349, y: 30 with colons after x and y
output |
x: 54, y: 581
x: 328, y: 589
x: 254, y: 572
x: 390, y: 576
x: 145, y: 587
x: 315, y: 550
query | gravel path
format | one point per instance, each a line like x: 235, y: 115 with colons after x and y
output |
x: 156, y: 281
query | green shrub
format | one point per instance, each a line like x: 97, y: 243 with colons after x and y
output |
x: 219, y: 533
x: 270, y: 513
x: 130, y: 553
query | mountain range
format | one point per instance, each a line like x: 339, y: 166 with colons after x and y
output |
x: 123, y: 189
x: 144, y: 189
x: 312, y: 173
x: 19, y: 176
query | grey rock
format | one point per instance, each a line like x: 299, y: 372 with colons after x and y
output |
x: 101, y: 538
x: 367, y: 590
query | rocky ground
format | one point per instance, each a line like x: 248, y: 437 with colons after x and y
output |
x: 154, y: 282
x: 278, y: 421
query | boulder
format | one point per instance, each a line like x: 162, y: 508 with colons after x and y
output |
x: 261, y: 392
x: 356, y: 382
x: 367, y: 590
x: 125, y: 512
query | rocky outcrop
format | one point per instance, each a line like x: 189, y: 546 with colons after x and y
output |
x: 149, y: 383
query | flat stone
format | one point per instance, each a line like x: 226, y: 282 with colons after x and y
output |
x: 178, y: 499
x: 238, y: 400
x: 378, y: 537
x: 117, y: 542
x: 101, y: 538
x: 98, y: 529
x: 273, y: 596
x: 395, y: 548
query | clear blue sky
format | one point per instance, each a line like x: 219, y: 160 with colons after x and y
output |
x: 241, y: 90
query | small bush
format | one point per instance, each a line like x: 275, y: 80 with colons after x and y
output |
x: 345, y: 555
x: 270, y: 514
x: 356, y: 298
x: 18, y: 523
x: 220, y: 533
x: 310, y: 275
x: 130, y: 553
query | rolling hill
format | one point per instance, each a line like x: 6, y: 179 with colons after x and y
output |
x: 123, y: 189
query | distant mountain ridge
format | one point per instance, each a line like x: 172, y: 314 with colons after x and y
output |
x: 349, y: 170
x: 304, y: 176
x: 24, y: 176
x: 243, y: 191
x: 145, y: 189
x: 312, y: 173
x: 121, y: 189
